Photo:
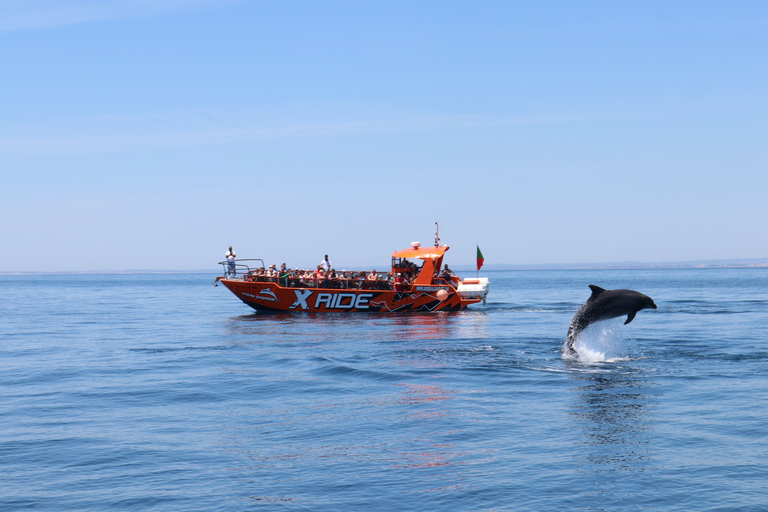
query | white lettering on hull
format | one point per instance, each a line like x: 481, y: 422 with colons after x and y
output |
x: 301, y: 299
x: 431, y: 288
x: 340, y: 301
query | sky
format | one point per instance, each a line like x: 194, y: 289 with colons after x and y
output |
x: 153, y: 134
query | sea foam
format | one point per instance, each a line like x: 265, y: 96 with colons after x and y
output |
x: 601, y: 342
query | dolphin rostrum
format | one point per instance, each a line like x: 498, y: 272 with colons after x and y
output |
x: 604, y: 305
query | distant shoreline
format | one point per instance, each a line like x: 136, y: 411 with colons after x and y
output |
x: 714, y: 264
x: 624, y: 266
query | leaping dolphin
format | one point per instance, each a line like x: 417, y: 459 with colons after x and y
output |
x: 603, y: 305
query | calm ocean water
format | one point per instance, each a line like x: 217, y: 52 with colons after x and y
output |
x: 161, y: 392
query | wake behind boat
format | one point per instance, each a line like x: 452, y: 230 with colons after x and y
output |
x: 407, y: 287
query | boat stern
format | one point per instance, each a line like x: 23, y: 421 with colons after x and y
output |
x: 474, y: 288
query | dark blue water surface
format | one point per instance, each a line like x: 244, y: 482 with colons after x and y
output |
x: 161, y: 392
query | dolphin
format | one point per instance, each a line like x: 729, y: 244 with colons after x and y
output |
x: 603, y: 305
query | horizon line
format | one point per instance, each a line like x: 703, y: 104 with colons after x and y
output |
x: 734, y: 263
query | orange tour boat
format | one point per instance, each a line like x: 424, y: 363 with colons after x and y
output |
x: 409, y: 286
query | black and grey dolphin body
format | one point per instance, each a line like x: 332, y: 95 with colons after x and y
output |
x: 603, y: 305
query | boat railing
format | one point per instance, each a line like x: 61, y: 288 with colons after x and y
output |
x: 240, y: 267
x: 355, y: 281
x: 246, y: 269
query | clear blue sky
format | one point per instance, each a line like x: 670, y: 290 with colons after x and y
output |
x: 152, y: 134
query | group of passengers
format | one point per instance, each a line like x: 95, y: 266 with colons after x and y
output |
x: 320, y: 278
x: 326, y: 277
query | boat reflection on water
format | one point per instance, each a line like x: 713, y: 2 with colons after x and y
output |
x: 424, y: 409
x: 408, y: 411
x: 340, y: 326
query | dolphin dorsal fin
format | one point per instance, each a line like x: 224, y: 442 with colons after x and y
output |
x: 596, y: 290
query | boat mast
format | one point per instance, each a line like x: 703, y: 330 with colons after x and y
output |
x: 437, y: 234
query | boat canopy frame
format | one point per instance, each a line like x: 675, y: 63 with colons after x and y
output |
x: 432, y: 257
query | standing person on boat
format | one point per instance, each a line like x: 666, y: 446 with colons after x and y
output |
x: 446, y: 274
x: 326, y: 263
x: 230, y: 255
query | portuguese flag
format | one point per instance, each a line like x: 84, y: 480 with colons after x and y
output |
x: 480, y: 258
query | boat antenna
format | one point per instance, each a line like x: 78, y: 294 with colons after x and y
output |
x: 437, y: 234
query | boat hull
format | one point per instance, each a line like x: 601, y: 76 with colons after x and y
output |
x: 271, y: 297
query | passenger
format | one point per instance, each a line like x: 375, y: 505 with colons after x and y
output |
x: 371, y: 281
x: 230, y: 255
x: 326, y: 263
x: 320, y: 277
x: 398, y: 284
x: 283, y: 275
x: 334, y: 278
x: 272, y: 274
x: 296, y: 278
x: 446, y: 274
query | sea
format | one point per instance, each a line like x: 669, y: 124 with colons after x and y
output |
x: 161, y: 392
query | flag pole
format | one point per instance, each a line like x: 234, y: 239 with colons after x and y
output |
x: 480, y: 260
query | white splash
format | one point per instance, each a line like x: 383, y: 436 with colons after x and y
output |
x: 601, y: 342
